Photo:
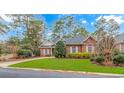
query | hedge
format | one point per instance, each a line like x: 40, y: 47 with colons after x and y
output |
x: 24, y: 53
x: 36, y: 52
x: 79, y: 55
x: 99, y: 59
x: 118, y: 59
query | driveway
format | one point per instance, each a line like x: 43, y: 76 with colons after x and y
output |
x: 19, y: 73
x: 5, y: 64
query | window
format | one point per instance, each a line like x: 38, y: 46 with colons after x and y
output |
x: 122, y: 47
x: 74, y: 49
x: 89, y: 48
x: 46, y: 51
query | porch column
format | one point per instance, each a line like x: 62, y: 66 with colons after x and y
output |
x: 51, y: 51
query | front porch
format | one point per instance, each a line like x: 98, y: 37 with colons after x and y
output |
x: 47, y: 51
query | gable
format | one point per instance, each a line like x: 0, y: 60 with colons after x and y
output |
x: 47, y: 43
x: 90, y: 39
x: 119, y: 38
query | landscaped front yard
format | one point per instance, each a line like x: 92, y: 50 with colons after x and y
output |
x: 69, y: 64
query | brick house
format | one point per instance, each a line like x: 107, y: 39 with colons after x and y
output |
x: 120, y: 42
x: 78, y: 44
x: 73, y: 45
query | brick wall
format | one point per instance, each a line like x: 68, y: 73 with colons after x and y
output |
x: 89, y: 41
x: 69, y: 46
x: 82, y: 48
x: 120, y: 46
x: 42, y: 53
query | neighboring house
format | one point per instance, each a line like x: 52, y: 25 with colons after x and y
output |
x: 73, y: 45
x: 120, y: 42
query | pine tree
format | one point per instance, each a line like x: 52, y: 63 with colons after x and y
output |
x: 60, y: 50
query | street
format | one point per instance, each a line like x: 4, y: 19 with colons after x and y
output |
x: 19, y: 73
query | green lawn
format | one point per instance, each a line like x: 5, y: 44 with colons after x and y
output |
x: 69, y: 64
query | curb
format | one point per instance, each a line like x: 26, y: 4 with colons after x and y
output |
x: 64, y: 71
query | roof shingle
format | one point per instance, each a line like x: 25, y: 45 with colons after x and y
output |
x: 75, y: 40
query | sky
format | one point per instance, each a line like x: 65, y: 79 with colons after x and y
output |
x: 87, y: 20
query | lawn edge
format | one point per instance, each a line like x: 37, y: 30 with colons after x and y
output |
x: 64, y: 71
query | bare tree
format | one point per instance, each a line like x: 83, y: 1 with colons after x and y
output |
x: 106, y: 30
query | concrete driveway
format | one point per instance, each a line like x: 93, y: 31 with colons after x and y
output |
x: 6, y: 64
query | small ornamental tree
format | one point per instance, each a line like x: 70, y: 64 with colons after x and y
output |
x: 60, y: 50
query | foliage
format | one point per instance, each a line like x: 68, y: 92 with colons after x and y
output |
x: 118, y: 59
x: 60, y: 50
x: 13, y: 44
x: 13, y: 40
x: 99, y: 59
x: 92, y: 58
x: 79, y: 55
x: 80, y: 31
x: 33, y: 29
x: 36, y: 52
x: 115, y: 52
x: 35, y: 35
x: 3, y: 26
x: 0, y: 50
x: 67, y: 26
x: 24, y: 53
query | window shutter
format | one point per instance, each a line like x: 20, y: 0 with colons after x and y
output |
x: 70, y: 49
x: 43, y: 51
x: 47, y: 51
x: 76, y: 49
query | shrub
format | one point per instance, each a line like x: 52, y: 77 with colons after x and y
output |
x: 86, y: 55
x: 92, y: 58
x: 24, y: 53
x: 99, y: 59
x: 60, y: 50
x: 116, y: 52
x: 79, y: 55
x: 36, y: 52
x: 118, y: 59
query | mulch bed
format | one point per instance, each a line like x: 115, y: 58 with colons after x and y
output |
x: 109, y: 64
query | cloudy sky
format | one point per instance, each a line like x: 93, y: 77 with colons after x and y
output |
x: 87, y: 21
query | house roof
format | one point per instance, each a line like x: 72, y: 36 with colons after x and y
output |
x: 75, y: 40
x: 68, y: 41
x: 119, y: 38
x: 47, y: 43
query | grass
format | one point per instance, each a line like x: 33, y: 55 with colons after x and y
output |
x: 68, y: 64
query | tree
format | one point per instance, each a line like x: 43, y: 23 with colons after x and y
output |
x: 32, y: 29
x: 13, y: 43
x: 106, y: 30
x: 80, y: 31
x: 3, y: 26
x: 67, y: 26
x: 35, y: 35
x: 58, y: 29
x: 60, y: 50
x: 20, y: 21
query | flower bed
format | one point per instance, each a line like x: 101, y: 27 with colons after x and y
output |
x: 79, y: 55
